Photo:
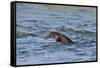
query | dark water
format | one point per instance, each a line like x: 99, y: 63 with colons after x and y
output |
x: 34, y: 21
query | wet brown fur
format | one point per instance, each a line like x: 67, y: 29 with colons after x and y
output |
x: 60, y: 37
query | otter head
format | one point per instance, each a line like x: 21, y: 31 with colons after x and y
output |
x: 49, y: 35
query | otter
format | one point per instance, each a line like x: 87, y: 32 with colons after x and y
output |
x: 60, y: 37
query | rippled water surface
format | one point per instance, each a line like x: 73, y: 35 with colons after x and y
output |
x: 34, y: 21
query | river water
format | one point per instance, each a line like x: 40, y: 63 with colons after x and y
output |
x: 34, y: 21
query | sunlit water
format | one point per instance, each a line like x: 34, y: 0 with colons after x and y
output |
x: 34, y: 21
